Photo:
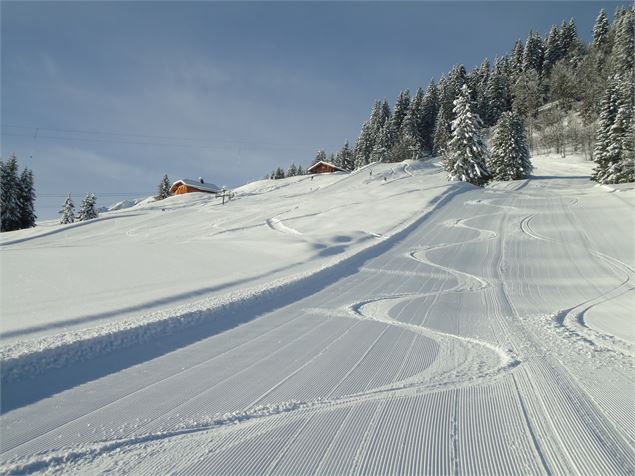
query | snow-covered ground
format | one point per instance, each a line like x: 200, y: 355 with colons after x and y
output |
x: 374, y: 323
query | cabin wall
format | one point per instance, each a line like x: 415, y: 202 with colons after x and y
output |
x: 322, y: 169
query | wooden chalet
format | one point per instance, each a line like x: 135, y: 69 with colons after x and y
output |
x: 323, y: 167
x: 188, y: 186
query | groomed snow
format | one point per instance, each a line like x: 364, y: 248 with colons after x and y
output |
x: 344, y: 324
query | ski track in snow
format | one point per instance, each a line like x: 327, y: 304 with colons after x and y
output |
x: 568, y: 429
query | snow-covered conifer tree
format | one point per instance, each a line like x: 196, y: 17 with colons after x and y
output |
x: 442, y: 130
x: 553, y: 49
x: 509, y: 159
x: 601, y: 30
x: 430, y: 109
x: 292, y: 171
x: 26, y: 199
x: 402, y: 106
x: 623, y: 46
x: 68, y: 211
x: 466, y: 154
x: 278, y: 174
x: 614, y: 147
x: 344, y: 158
x: 9, y: 191
x: 164, y: 188
x: 517, y: 60
x: 319, y: 157
x: 364, y: 146
x: 300, y: 170
x: 87, y: 209
x: 382, y: 150
x: 533, y: 54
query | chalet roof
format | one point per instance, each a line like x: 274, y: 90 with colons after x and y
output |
x: 204, y: 187
x: 325, y: 163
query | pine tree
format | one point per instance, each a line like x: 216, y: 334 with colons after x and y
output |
x: 87, y: 209
x: 480, y: 89
x: 26, y: 199
x: 164, y: 188
x: 319, y: 157
x: 67, y: 211
x: 411, y: 135
x: 9, y: 189
x: 364, y: 146
x: 601, y: 31
x: 614, y: 147
x: 430, y: 109
x: 344, y: 158
x: 402, y: 106
x: 442, y: 131
x: 553, y: 49
x: 292, y: 171
x: 517, y: 60
x: 382, y: 150
x: 509, y: 158
x: 278, y: 174
x: 569, y: 37
x: 386, y: 115
x: 300, y: 170
x: 497, y: 95
x: 622, y: 54
x: 466, y: 154
x: 533, y: 54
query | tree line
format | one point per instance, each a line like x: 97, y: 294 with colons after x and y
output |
x: 567, y: 93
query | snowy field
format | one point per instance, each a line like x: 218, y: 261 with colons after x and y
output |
x: 377, y: 323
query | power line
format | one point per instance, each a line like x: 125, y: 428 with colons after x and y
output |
x: 203, y: 143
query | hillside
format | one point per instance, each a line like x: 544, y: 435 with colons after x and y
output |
x: 379, y: 322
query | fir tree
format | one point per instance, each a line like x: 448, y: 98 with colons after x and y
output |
x: 300, y: 170
x: 442, y: 131
x: 402, y: 106
x: 614, y: 144
x: 411, y: 136
x: 67, y: 211
x: 622, y: 54
x: 497, y: 95
x: 278, y: 174
x: 517, y: 59
x: 319, y: 157
x: 533, y: 54
x: 292, y: 171
x: 466, y: 154
x: 164, y: 188
x: 344, y: 158
x: 87, y: 209
x: 9, y: 190
x: 601, y: 30
x: 509, y: 158
x: 386, y: 115
x: 569, y: 37
x: 553, y: 49
x: 480, y: 89
x: 382, y: 150
x: 26, y: 199
x: 364, y: 146
x: 430, y: 109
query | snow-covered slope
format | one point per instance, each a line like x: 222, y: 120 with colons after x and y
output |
x: 406, y: 325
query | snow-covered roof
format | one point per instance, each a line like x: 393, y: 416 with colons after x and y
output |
x: 325, y: 163
x: 204, y: 187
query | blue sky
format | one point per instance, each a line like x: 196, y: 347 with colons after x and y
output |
x: 107, y: 97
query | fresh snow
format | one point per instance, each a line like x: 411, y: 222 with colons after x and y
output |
x: 345, y: 323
